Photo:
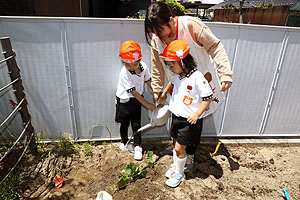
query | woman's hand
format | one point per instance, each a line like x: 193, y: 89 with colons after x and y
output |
x: 225, y: 85
x: 162, y: 97
x: 192, y: 118
x: 151, y: 107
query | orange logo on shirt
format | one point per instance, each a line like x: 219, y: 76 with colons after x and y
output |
x: 187, y: 100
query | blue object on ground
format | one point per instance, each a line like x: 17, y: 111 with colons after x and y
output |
x: 286, y: 194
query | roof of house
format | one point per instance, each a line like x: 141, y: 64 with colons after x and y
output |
x: 251, y: 3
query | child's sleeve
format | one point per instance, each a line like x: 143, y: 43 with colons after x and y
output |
x: 127, y: 84
x: 147, y: 74
x: 203, y: 87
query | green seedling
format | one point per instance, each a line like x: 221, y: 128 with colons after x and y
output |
x: 3, y: 149
x: 87, y: 149
x: 149, y: 159
x: 133, y: 172
x: 65, y: 145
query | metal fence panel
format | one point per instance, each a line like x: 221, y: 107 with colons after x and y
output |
x: 213, y: 124
x: 256, y: 57
x: 70, y: 68
x: 284, y: 112
x: 40, y: 57
x: 94, y: 65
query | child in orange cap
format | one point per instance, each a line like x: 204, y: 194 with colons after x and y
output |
x: 133, y: 76
x: 190, y: 99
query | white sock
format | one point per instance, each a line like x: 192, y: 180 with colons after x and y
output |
x: 174, y: 156
x: 179, y: 163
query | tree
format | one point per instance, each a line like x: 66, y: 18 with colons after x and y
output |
x: 175, y: 7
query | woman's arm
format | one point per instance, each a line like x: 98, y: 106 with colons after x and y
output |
x: 203, y: 36
x: 157, y: 73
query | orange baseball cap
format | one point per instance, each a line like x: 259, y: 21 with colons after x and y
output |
x: 176, y: 50
x: 130, y: 51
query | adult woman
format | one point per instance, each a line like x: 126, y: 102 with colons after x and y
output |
x: 161, y: 28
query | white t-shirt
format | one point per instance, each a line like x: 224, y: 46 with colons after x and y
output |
x: 188, y: 93
x: 129, y: 82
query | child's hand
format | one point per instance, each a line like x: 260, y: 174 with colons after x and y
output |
x: 151, y: 107
x: 192, y: 118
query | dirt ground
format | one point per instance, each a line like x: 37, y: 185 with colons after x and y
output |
x: 237, y: 171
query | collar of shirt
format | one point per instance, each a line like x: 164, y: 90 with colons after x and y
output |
x: 187, y: 74
x: 134, y: 73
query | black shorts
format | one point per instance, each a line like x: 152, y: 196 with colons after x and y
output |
x: 127, y: 111
x: 184, y: 132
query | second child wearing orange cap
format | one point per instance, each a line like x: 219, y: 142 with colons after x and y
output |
x: 190, y: 99
x: 133, y: 76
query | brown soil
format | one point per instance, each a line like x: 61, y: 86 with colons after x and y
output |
x: 10, y: 160
x: 235, y: 172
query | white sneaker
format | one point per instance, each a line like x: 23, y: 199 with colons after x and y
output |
x: 175, y: 180
x: 129, y: 147
x: 171, y: 171
x: 138, y: 153
x: 121, y: 146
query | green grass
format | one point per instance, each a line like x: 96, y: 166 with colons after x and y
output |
x: 9, y: 188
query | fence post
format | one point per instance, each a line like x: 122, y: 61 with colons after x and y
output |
x: 14, y: 73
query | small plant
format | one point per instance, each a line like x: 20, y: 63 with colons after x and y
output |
x: 65, y: 145
x: 133, y: 172
x: 88, y: 148
x: 9, y: 187
x: 39, y: 137
x: 4, y: 148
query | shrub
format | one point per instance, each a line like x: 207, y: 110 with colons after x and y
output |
x: 175, y: 6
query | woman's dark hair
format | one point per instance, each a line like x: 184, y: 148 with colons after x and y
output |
x: 157, y: 15
x: 189, y: 62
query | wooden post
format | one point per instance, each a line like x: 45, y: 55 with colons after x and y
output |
x: 14, y: 73
x: 241, y: 11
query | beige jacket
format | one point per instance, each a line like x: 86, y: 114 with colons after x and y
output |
x: 202, y: 35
